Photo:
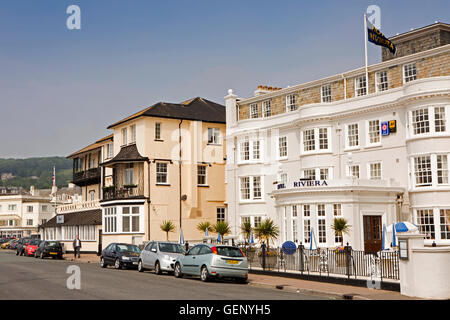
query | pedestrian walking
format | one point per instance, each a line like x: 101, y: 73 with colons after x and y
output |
x: 76, y: 247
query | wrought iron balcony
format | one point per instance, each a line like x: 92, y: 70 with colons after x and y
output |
x: 87, y: 177
x: 125, y: 192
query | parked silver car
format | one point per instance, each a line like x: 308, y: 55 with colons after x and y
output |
x: 159, y: 256
x: 208, y: 261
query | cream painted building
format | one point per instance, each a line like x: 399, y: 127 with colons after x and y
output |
x: 83, y: 215
x: 167, y: 163
x: 305, y: 154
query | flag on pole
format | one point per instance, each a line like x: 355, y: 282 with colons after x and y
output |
x: 376, y: 37
x: 54, y: 176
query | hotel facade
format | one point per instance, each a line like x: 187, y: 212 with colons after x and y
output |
x: 373, y: 151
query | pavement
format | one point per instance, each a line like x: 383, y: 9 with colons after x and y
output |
x: 306, y: 287
x: 27, y: 278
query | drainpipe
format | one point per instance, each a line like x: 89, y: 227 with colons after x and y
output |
x: 149, y: 201
x: 179, y: 163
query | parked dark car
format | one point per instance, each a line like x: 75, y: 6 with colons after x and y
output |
x: 21, y: 244
x: 49, y: 249
x: 120, y: 255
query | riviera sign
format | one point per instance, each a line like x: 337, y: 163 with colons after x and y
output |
x: 310, y: 183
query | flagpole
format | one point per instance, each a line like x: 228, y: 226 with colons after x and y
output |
x: 365, y: 52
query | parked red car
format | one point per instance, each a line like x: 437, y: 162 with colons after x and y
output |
x: 31, y: 247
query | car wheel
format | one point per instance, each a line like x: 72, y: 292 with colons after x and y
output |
x: 157, y: 268
x: 140, y: 266
x: 241, y: 280
x: 117, y: 264
x: 204, y: 275
x: 177, y: 272
x: 102, y: 263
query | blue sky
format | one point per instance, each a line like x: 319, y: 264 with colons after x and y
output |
x: 60, y: 88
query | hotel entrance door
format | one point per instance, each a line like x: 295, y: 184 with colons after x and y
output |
x: 372, y: 233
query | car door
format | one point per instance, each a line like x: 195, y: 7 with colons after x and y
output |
x: 109, y: 254
x: 153, y: 255
x: 190, y: 261
x: 145, y: 255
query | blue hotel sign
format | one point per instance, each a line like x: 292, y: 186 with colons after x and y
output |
x: 385, y: 128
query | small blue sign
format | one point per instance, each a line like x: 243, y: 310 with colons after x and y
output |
x: 289, y: 247
x: 385, y: 128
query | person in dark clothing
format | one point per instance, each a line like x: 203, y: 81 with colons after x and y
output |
x: 76, y: 247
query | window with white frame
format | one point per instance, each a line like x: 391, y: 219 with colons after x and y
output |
x: 375, y: 171
x: 129, y: 174
x: 409, y: 72
x: 245, y: 188
x: 420, y: 121
x: 306, y: 222
x: 325, y: 93
x: 253, y: 111
x: 201, y: 175
x: 337, y: 210
x: 245, y: 220
x: 110, y: 220
x: 352, y: 135
x: 161, y: 173
x: 29, y: 209
x: 267, y: 108
x: 360, y: 86
x: 285, y: 225
x: 353, y: 171
x: 130, y: 219
x: 256, y: 150
x: 109, y: 150
x: 29, y: 222
x: 321, y: 223
x: 87, y: 233
x: 44, y: 208
x: 374, y: 133
x: 444, y: 223
x: 425, y: 222
x: 323, y: 138
x: 157, y: 131
x: 12, y: 207
x: 442, y: 169
x: 324, y: 173
x: 309, y: 174
x: 294, y: 225
x: 439, y: 119
x: 381, y: 79
x: 213, y: 135
x: 92, y: 195
x: 133, y: 133
x: 256, y: 222
x: 124, y: 136
x: 422, y: 171
x: 282, y: 147
x: 245, y: 150
x: 220, y: 214
x: 308, y: 140
x: 283, y: 179
x: 316, y: 139
x: 256, y: 188
x: 291, y: 102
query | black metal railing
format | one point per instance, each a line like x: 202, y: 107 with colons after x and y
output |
x: 326, y: 262
x: 87, y: 176
x: 112, y: 193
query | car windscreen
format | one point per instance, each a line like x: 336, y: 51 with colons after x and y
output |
x: 35, y: 242
x: 229, y: 252
x: 171, y: 248
x: 53, y: 244
x: 128, y: 248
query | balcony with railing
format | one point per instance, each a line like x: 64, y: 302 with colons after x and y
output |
x: 87, y: 177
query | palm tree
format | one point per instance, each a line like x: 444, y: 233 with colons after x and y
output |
x: 266, y: 231
x: 341, y: 226
x: 222, y: 228
x: 203, y: 226
x: 167, y: 226
x: 246, y: 229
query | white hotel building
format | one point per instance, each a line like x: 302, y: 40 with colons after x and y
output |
x: 305, y: 154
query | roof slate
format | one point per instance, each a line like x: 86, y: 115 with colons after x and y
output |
x: 82, y: 218
x: 198, y: 109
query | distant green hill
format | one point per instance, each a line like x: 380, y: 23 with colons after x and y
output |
x: 35, y: 171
